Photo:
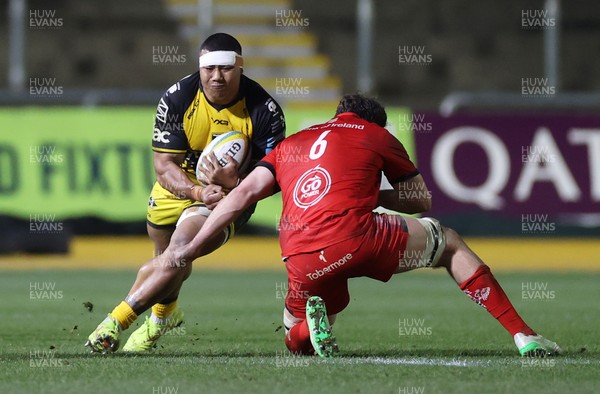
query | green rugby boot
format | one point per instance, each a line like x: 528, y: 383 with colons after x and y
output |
x: 145, y: 337
x: 321, y: 337
x: 105, y: 338
x: 535, y: 346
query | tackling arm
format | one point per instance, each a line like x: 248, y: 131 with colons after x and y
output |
x: 410, y: 196
x: 256, y: 186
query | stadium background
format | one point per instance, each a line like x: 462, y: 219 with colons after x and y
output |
x: 79, y: 95
x: 496, y: 101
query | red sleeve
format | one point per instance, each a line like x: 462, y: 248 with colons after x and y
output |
x: 397, y: 166
x: 269, y: 160
x: 269, y: 163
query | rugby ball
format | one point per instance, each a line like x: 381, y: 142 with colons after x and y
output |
x: 232, y: 143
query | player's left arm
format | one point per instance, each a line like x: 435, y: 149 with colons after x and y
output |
x: 226, y: 176
x: 409, y: 196
x: 409, y: 193
x: 268, y: 122
x: 259, y: 184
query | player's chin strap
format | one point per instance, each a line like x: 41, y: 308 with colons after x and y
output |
x: 436, y: 241
x: 221, y: 58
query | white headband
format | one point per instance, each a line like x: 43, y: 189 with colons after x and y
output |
x: 219, y: 58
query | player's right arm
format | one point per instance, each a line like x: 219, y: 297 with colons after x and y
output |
x: 171, y: 177
x: 169, y: 141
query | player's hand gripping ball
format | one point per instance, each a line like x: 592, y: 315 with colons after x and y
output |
x: 233, y: 144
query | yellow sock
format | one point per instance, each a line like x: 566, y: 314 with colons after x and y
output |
x: 163, y: 310
x: 124, y: 315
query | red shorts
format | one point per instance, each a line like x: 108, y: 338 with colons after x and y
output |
x: 375, y: 254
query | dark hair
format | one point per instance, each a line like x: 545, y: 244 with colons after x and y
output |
x: 367, y: 108
x: 221, y: 42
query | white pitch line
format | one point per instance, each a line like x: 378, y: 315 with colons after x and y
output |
x: 410, y: 361
x: 518, y: 361
x: 419, y: 361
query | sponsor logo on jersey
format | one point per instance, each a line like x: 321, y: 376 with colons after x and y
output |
x: 312, y: 186
x: 175, y: 87
x: 160, y: 136
x: 322, y: 256
x: 316, y: 274
x: 161, y: 111
x: 221, y: 122
x: 196, y: 103
x: 271, y: 105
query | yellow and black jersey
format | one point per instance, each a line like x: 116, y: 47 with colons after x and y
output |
x: 186, y: 121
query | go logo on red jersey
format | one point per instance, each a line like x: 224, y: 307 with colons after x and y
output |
x: 312, y: 186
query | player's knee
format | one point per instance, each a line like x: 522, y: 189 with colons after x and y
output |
x: 299, y: 348
x: 453, y: 239
x: 146, y: 269
x: 289, y: 320
x: 436, y: 242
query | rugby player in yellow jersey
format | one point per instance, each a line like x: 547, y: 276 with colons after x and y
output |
x: 215, y: 100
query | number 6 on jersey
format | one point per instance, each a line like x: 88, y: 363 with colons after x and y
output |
x: 318, y: 148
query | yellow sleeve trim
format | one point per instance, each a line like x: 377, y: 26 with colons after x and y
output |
x: 165, y: 150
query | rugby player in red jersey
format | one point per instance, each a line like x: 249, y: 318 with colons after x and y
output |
x: 329, y: 232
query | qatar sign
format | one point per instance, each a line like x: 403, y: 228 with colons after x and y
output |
x: 513, y: 165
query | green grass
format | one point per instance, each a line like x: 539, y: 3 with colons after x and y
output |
x: 232, y: 341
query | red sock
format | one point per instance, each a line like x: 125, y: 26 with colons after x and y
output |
x: 483, y: 288
x: 297, y: 339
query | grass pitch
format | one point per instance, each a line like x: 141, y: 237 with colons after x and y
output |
x: 416, y: 334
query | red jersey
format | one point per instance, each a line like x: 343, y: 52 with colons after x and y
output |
x: 329, y: 175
